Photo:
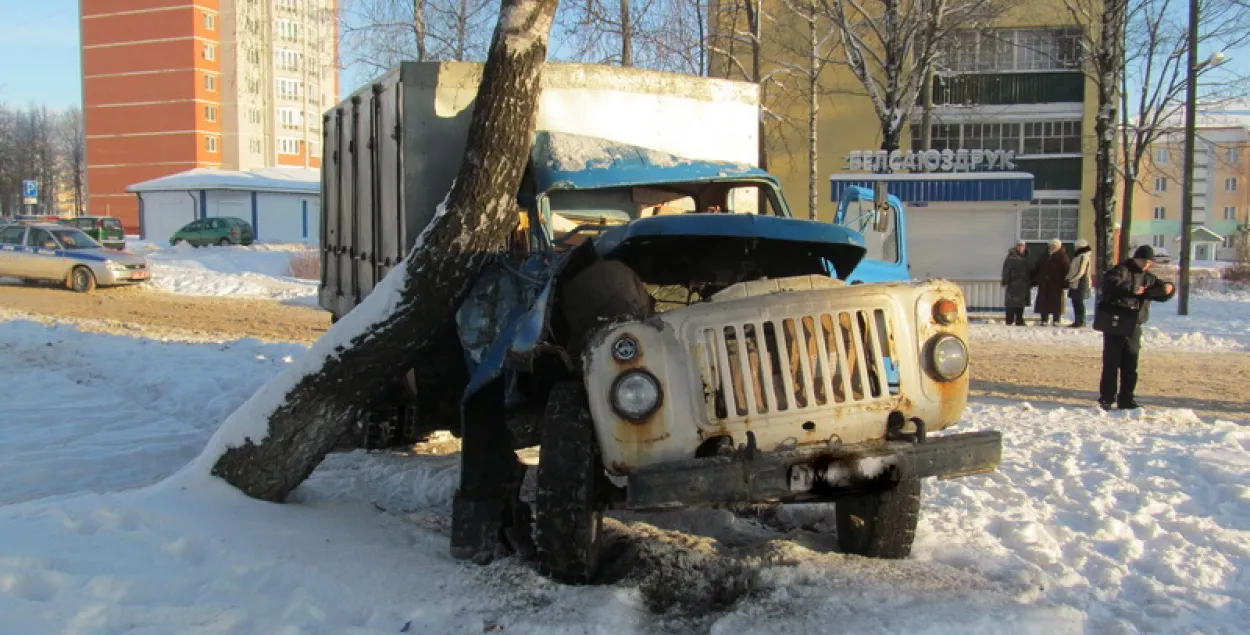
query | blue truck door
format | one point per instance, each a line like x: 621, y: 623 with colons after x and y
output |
x: 886, y: 260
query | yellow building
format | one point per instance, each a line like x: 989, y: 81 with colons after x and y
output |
x: 1221, y: 192
x: 1017, y: 87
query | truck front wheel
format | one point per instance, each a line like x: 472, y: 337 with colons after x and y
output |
x: 879, y: 524
x: 568, y: 521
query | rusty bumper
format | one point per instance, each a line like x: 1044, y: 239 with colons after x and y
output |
x: 809, y: 474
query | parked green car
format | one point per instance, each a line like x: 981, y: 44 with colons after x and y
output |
x: 219, y: 230
x: 106, y: 230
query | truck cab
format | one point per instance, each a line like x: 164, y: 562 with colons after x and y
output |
x: 879, y: 217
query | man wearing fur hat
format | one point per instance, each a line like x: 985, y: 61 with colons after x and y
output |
x: 1127, y: 291
x: 1080, y: 280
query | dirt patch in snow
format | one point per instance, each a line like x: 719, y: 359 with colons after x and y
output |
x: 1210, y: 384
x: 139, y: 310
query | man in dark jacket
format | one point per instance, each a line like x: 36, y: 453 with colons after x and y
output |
x: 1127, y: 289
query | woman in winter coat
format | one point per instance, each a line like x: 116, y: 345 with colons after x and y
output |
x: 1080, y: 280
x: 1052, y: 281
x: 1016, y: 284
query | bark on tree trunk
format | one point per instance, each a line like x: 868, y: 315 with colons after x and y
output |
x: 813, y: 114
x: 479, y: 214
x: 1109, y: 64
x: 627, y: 36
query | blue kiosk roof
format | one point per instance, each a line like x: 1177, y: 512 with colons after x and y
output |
x: 965, y: 187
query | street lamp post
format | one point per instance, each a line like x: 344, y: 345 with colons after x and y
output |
x: 1191, y: 126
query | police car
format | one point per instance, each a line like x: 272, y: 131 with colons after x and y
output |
x: 57, y: 253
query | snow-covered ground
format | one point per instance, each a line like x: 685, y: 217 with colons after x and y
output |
x: 262, y: 270
x: 1096, y: 522
x: 1216, y: 322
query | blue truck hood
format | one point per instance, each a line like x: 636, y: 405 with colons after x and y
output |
x: 643, y: 243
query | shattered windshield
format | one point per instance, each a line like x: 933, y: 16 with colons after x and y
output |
x: 574, y: 215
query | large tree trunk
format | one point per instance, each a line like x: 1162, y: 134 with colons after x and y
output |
x: 1109, y: 63
x: 475, y: 221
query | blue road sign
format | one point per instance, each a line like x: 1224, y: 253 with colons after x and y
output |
x: 30, y: 189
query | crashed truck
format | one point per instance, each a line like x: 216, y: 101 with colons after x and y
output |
x: 658, y: 323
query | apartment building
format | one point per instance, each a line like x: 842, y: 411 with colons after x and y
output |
x: 1221, y: 190
x: 170, y: 85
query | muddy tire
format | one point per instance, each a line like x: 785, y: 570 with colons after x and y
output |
x: 568, y: 523
x: 224, y: 242
x: 607, y: 290
x: 879, y: 524
x: 81, y: 280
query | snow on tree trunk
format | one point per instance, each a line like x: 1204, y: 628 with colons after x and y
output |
x: 275, y: 440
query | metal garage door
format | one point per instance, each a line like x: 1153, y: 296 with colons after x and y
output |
x: 163, y: 213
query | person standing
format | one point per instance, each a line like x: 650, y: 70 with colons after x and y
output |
x: 1127, y: 291
x: 1080, y: 280
x: 1016, y: 284
x: 1052, y: 281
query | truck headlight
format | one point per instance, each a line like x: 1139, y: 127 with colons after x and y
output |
x: 949, y: 356
x: 636, y: 394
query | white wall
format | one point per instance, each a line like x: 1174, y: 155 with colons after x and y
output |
x: 166, y: 212
x: 280, y: 217
x: 960, y: 240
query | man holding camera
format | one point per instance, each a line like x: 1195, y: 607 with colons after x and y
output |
x: 1127, y: 291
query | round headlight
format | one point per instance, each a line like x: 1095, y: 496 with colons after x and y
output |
x: 636, y: 394
x: 949, y: 356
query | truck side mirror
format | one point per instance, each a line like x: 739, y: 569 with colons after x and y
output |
x: 881, y: 207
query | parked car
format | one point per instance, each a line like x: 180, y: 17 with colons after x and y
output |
x: 48, y: 252
x: 219, y: 230
x: 106, y: 230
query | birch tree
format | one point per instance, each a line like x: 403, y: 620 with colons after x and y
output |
x: 1155, y: 52
x: 73, y: 150
x: 276, y: 439
x: 810, y: 41
x: 378, y: 34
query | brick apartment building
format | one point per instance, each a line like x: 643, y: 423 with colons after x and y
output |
x: 171, y: 85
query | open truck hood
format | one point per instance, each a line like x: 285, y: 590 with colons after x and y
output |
x: 662, y: 248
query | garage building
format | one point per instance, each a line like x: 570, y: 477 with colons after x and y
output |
x: 282, y: 204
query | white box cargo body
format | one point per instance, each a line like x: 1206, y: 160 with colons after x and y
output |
x: 393, y: 147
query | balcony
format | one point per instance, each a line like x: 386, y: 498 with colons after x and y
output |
x: 999, y: 89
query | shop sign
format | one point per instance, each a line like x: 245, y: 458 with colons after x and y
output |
x: 931, y: 160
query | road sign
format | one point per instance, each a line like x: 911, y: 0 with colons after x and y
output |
x: 30, y: 189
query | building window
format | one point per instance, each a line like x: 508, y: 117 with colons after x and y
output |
x: 1159, y: 241
x: 210, y: 52
x: 314, y: 149
x: 253, y: 87
x: 1040, y: 138
x: 210, y: 143
x: 287, y: 29
x: 1161, y: 184
x: 253, y: 55
x: 1230, y: 213
x: 210, y: 113
x: 1230, y: 184
x: 210, y: 83
x: 1049, y: 218
x: 253, y: 115
x: 287, y: 145
x: 210, y: 22
x: 1234, y: 156
x: 287, y: 60
x: 253, y: 145
x: 290, y: 118
x: 1161, y: 213
x: 1010, y: 50
x: 290, y: 88
x: 1230, y: 242
x: 1161, y: 156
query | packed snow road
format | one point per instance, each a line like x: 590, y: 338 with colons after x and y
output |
x: 1096, y: 522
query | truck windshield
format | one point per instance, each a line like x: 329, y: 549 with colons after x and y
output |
x: 881, y: 240
x: 577, y: 214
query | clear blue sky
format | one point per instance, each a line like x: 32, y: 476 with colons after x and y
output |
x: 39, y: 58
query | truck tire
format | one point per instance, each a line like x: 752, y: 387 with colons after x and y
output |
x: 879, y: 524
x: 568, y: 522
x: 606, y: 290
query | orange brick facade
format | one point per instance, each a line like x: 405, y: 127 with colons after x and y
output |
x: 151, y: 83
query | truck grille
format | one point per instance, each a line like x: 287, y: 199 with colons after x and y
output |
x: 797, y: 363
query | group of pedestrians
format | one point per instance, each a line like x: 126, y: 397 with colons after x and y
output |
x: 1055, y: 276
x: 1123, y: 305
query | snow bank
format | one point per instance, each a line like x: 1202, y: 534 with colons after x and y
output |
x: 260, y: 271
x: 1097, y: 522
x: 1216, y: 322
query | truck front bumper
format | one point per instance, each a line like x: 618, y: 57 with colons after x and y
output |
x: 808, y: 474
